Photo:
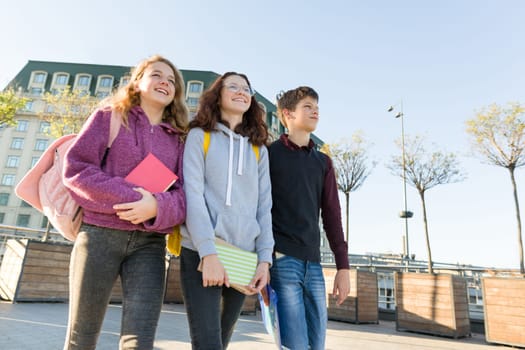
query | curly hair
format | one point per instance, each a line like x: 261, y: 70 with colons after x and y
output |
x: 126, y: 97
x: 290, y: 99
x: 208, y: 115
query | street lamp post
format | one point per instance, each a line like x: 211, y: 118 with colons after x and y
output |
x: 405, y: 214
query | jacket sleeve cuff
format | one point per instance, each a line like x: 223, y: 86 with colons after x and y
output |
x: 206, y: 248
x: 265, y: 256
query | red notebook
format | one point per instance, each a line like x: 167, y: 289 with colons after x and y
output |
x: 152, y: 175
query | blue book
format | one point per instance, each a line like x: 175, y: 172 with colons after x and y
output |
x: 268, y: 302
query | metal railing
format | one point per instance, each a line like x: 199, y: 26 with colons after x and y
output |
x: 386, y: 265
x: 15, y: 232
x: 383, y: 265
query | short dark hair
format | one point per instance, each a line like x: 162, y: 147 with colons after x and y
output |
x: 290, y: 99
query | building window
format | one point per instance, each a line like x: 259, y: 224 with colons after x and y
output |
x: 195, y: 87
x: 39, y: 77
x: 275, y: 123
x: 44, y: 127
x: 4, y: 198
x: 36, y: 91
x: 2, y: 216
x: 8, y: 179
x: 61, y: 79
x: 29, y: 106
x: 34, y: 160
x: 24, y: 204
x: 124, y: 80
x: 22, y: 125
x: 104, y: 86
x: 192, y: 102
x: 17, y: 143
x: 44, y: 222
x: 83, y: 81
x: 23, y: 220
x: 13, y: 161
x: 106, y: 82
x: 40, y: 145
x: 102, y: 94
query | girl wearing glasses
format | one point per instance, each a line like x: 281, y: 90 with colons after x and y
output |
x: 228, y: 195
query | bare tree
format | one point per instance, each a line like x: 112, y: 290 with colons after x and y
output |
x: 66, y: 110
x: 425, y: 170
x: 498, y: 135
x: 352, y: 166
x: 10, y: 103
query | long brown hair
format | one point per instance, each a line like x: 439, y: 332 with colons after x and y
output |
x: 208, y: 115
x: 176, y: 113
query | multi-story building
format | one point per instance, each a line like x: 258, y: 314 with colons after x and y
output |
x: 23, y: 144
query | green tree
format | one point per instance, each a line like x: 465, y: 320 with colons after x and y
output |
x: 352, y: 166
x: 66, y: 110
x: 425, y: 170
x: 498, y: 136
x: 10, y: 103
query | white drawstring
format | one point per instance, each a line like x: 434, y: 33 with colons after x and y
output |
x: 241, y: 156
x: 230, y: 172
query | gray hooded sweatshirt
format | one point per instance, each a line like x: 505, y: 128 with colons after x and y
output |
x: 228, y: 194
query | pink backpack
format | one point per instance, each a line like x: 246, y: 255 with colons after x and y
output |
x: 43, y: 185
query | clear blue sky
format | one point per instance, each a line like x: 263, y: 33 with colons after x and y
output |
x: 444, y: 59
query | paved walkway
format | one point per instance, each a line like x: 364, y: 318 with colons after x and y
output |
x: 31, y: 326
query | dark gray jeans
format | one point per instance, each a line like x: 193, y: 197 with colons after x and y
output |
x: 99, y: 256
x: 212, y: 311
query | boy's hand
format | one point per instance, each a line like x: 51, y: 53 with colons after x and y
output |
x: 213, y: 272
x: 139, y: 211
x: 341, y: 285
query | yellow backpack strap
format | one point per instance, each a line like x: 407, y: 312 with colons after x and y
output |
x: 256, y: 151
x: 174, y: 241
x: 206, y: 142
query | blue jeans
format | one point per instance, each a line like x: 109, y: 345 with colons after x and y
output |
x: 99, y: 256
x: 301, y: 302
x: 212, y: 311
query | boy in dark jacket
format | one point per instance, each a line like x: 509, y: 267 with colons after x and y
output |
x: 303, y: 185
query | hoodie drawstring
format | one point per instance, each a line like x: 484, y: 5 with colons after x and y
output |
x: 241, y: 156
x: 230, y: 173
x: 240, y: 164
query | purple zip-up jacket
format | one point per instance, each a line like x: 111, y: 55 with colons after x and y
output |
x: 97, y: 188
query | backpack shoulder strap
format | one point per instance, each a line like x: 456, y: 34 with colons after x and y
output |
x: 256, y: 151
x: 114, y: 126
x: 206, y: 142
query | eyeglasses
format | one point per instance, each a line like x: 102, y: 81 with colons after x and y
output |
x: 247, y: 90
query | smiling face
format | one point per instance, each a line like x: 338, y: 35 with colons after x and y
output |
x: 236, y: 95
x: 156, y: 86
x: 305, y: 116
